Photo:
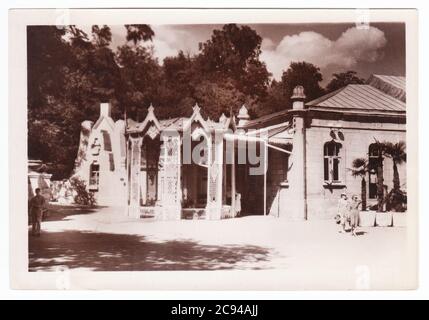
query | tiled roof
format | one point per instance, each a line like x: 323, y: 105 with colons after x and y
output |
x: 359, y: 97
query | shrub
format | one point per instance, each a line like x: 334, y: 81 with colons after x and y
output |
x: 83, y: 196
x: 397, y: 200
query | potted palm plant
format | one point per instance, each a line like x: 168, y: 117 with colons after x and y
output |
x: 359, y: 170
x: 397, y: 198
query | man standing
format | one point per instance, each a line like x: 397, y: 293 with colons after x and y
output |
x: 37, y: 206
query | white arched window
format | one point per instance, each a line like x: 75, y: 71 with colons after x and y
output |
x: 332, y: 161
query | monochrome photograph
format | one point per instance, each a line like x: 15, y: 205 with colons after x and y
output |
x: 274, y: 153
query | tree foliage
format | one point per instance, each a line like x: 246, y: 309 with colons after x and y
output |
x: 340, y: 80
x: 304, y: 74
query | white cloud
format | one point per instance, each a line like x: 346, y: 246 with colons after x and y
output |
x: 352, y: 46
x: 169, y: 40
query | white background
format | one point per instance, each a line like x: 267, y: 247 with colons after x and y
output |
x: 421, y: 293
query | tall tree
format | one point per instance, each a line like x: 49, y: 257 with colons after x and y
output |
x: 220, y: 97
x: 360, y: 169
x: 47, y: 56
x: 275, y: 100
x: 140, y: 79
x: 379, y: 149
x: 304, y: 74
x: 396, y: 152
x: 139, y: 32
x: 70, y: 74
x: 340, y: 80
x: 234, y: 52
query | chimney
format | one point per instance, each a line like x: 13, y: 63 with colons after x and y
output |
x: 298, y: 98
x: 243, y: 116
x: 105, y: 109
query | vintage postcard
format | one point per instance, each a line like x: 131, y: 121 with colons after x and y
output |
x: 209, y: 149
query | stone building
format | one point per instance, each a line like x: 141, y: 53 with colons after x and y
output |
x: 292, y: 164
x: 325, y: 136
x: 101, y: 158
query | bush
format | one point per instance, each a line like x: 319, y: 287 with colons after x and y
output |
x: 397, y: 200
x: 83, y: 196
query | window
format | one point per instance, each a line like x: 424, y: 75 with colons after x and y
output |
x: 94, y: 176
x: 332, y: 161
x: 374, y: 159
x: 111, y: 162
x: 106, y: 140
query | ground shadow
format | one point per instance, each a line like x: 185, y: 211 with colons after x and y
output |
x: 118, y: 252
x: 360, y: 233
x: 62, y: 212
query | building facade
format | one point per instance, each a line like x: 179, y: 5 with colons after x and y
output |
x: 292, y: 164
x: 100, y: 161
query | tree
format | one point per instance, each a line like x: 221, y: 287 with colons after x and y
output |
x: 343, y: 79
x: 139, y: 32
x: 360, y: 169
x: 181, y: 77
x: 102, y: 36
x: 140, y: 79
x: 47, y: 56
x: 70, y: 73
x: 49, y: 59
x: 233, y: 52
x: 140, y: 73
x: 396, y: 152
x: 379, y: 148
x: 304, y: 74
x: 217, y: 98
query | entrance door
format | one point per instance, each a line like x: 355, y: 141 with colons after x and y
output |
x: 251, y: 190
x: 149, y: 170
x: 202, y: 187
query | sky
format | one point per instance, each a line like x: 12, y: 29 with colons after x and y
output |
x: 378, y: 49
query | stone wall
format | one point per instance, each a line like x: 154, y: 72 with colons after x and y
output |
x: 322, y: 198
x: 356, y: 138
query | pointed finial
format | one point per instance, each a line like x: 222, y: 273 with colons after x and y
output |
x: 196, y: 108
x: 222, y: 118
x: 243, y: 116
x: 151, y: 108
x: 243, y: 113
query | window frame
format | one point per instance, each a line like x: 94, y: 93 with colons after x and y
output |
x: 94, y: 173
x: 329, y: 162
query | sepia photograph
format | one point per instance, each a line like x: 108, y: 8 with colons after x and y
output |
x: 278, y: 147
